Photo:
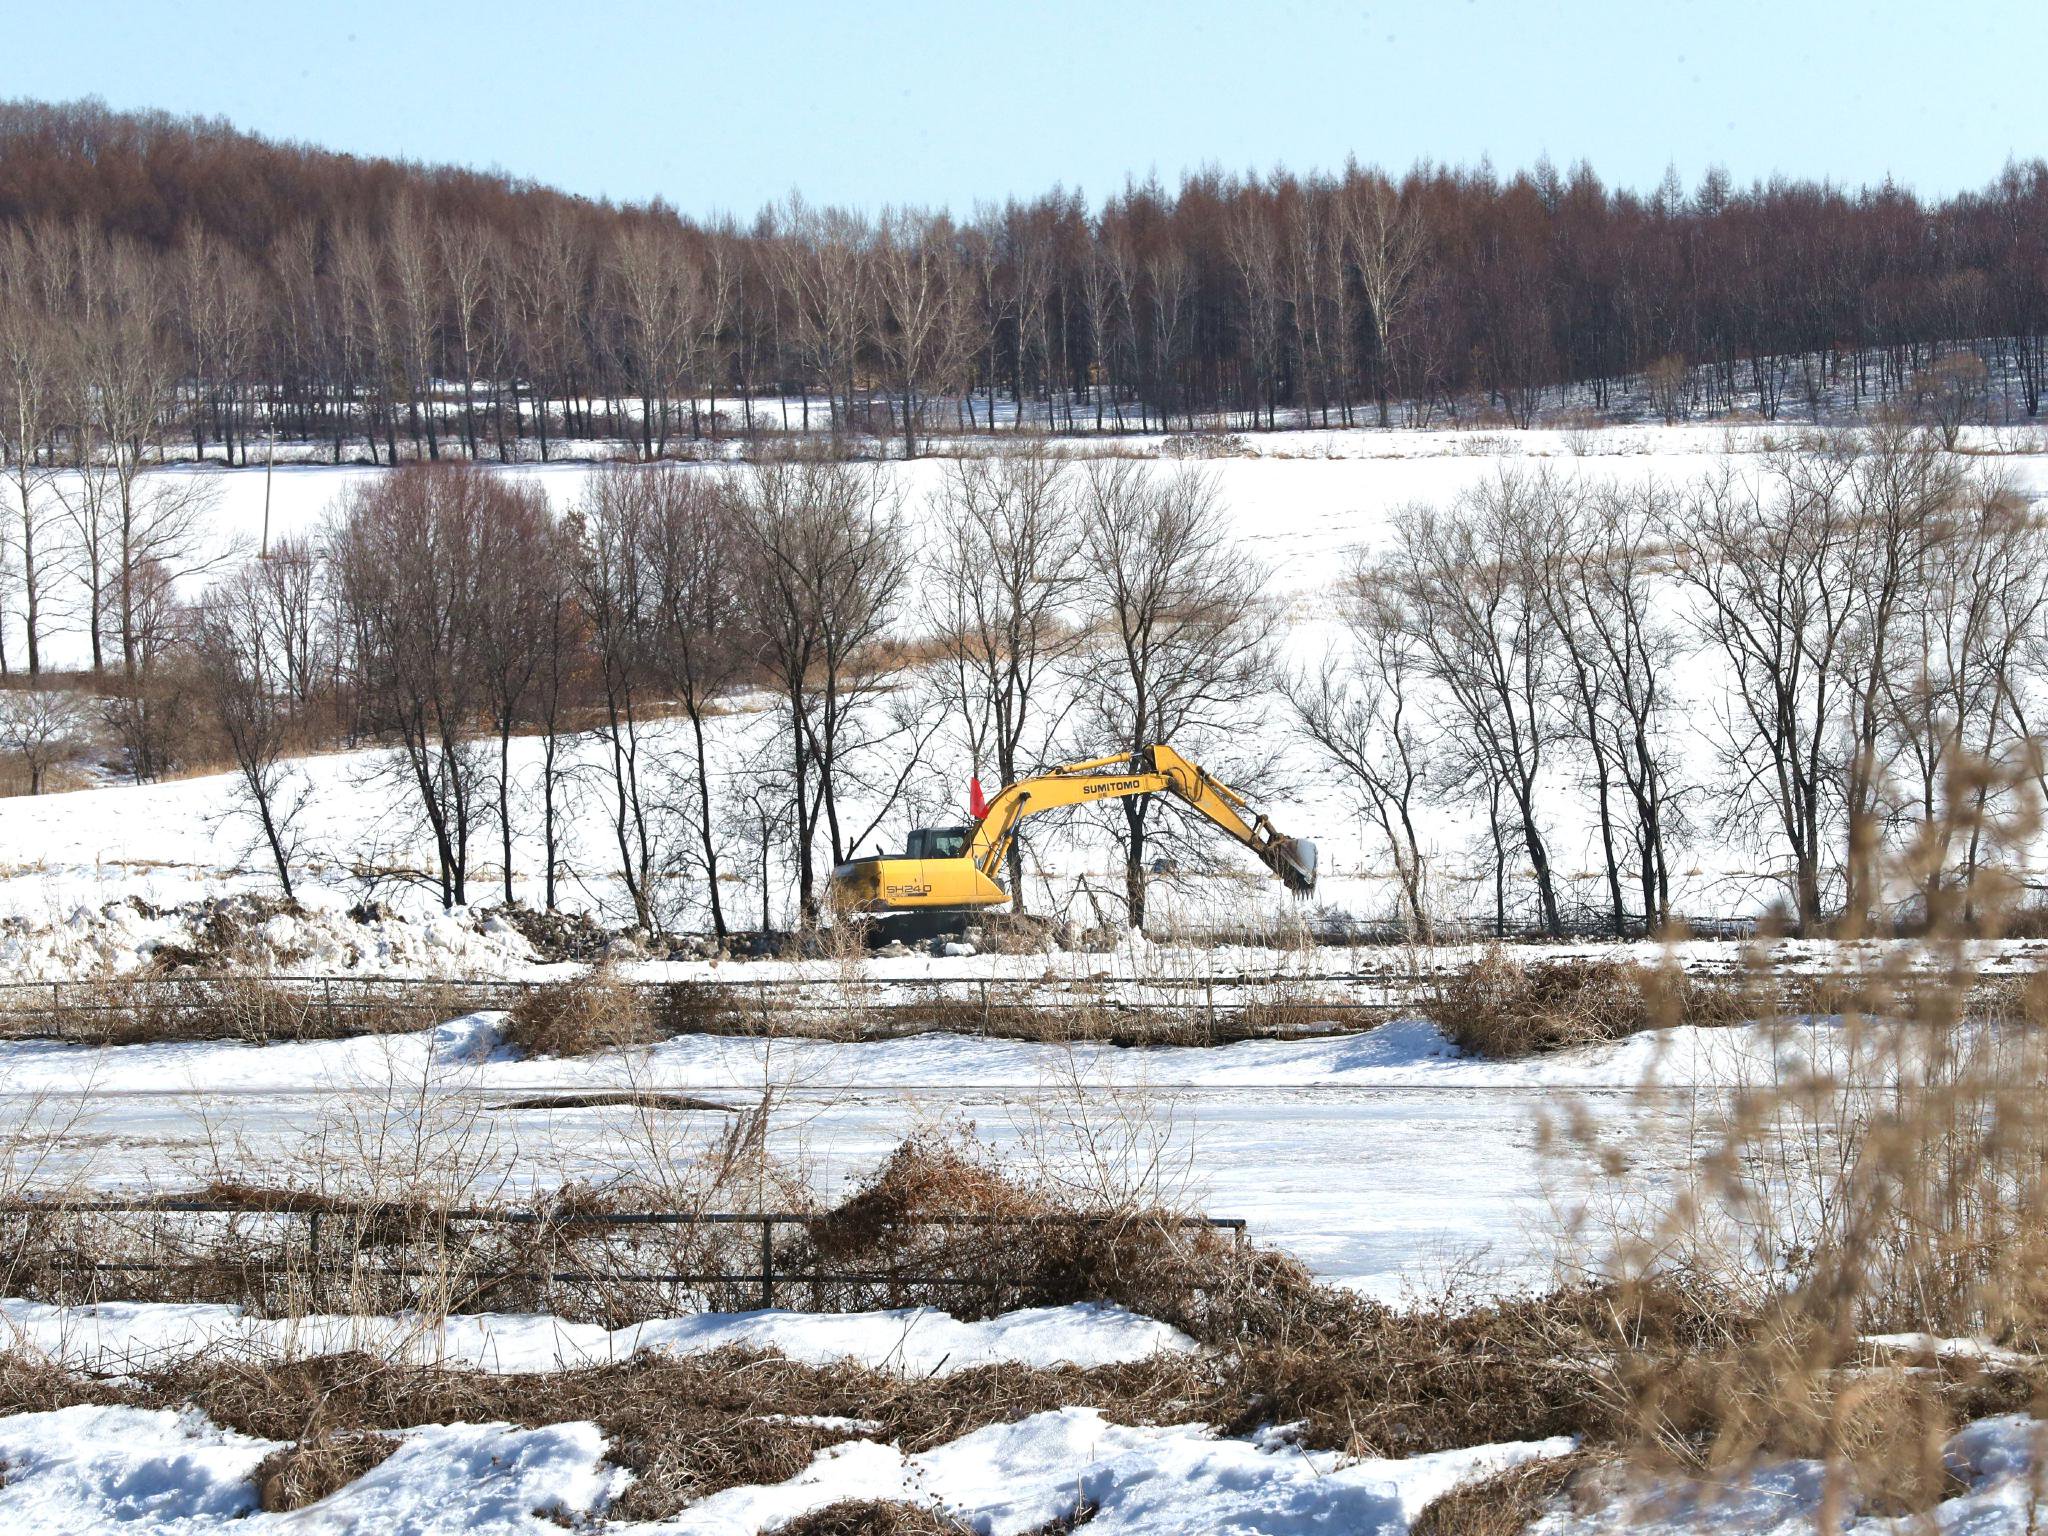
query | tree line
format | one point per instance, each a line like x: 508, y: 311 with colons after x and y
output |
x: 742, y: 672
x: 257, y: 290
x: 736, y: 667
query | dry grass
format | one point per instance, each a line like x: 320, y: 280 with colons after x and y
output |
x: 580, y: 1017
x: 685, y: 1426
x: 874, y: 1517
x: 309, y: 1470
x: 877, y: 1517
x: 150, y: 1010
x: 1502, y: 1009
x: 1505, y: 1504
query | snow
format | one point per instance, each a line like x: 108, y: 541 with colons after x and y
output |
x: 176, y: 1474
x: 1996, y: 1460
x: 1403, y: 1053
x: 166, y: 1473
x: 1142, y: 1481
x: 1304, y: 502
x: 90, y: 1469
x: 67, y: 928
x: 122, y: 1337
x: 1932, y: 1346
x: 1381, y: 1160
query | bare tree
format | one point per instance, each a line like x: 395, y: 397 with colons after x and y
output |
x: 1254, y: 248
x: 657, y: 287
x: 822, y: 571
x: 1605, y: 583
x: 917, y: 279
x: 1186, y: 630
x: 1363, y: 712
x: 617, y: 593
x: 524, y: 559
x: 1005, y: 585
x: 245, y: 679
x: 133, y: 526
x: 468, y: 253
x: 1772, y: 557
x: 404, y: 551
x: 1598, y: 569
x: 699, y: 639
x: 1466, y: 594
x: 1961, y: 718
x: 42, y: 727
x: 1905, y: 493
x: 1388, y: 243
x: 30, y: 393
x: 826, y: 264
x: 409, y: 243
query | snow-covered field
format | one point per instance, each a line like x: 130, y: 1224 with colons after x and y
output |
x: 1304, y: 502
x: 1381, y: 1159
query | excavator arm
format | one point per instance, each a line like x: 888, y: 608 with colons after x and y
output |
x: 1156, y: 770
x: 969, y: 877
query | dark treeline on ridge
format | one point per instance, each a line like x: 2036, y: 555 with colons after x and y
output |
x: 401, y: 310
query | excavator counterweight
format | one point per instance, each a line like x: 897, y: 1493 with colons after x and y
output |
x: 950, y: 872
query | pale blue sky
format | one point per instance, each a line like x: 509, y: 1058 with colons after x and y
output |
x: 721, y: 107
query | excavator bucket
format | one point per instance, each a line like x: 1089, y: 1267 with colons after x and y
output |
x: 1293, y: 859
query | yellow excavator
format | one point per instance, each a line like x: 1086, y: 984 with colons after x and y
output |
x: 948, y: 873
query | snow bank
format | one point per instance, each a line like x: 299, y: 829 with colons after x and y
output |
x: 88, y: 1469
x: 1143, y: 1481
x: 918, y: 1341
x: 100, y: 1469
x: 79, y: 934
x: 1995, y: 1460
x: 1407, y: 1053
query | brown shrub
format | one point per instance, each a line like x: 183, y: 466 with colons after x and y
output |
x: 152, y: 1009
x: 877, y: 1517
x: 686, y: 1426
x: 942, y: 1224
x: 1501, y: 1009
x: 874, y: 1517
x: 579, y: 1017
x: 309, y: 1470
x: 698, y: 1008
x: 1505, y: 1504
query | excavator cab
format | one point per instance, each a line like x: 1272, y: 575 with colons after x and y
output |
x: 937, y: 842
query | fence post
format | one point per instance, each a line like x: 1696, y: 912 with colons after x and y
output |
x: 767, y: 1263
x: 327, y: 999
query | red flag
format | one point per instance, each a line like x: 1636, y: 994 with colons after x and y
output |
x: 977, y: 802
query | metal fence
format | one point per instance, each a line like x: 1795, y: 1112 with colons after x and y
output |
x: 286, y: 1256
x: 262, y: 1008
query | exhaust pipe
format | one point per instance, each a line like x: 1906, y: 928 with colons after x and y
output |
x: 1293, y: 859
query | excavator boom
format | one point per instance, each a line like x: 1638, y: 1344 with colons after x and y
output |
x: 959, y: 867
